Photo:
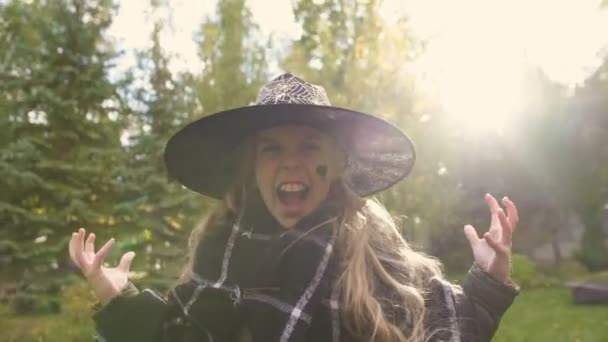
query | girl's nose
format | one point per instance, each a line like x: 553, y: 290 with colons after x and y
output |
x: 291, y: 160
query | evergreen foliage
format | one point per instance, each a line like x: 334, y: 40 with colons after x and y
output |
x: 60, y: 122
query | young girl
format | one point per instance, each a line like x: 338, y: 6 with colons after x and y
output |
x: 298, y: 250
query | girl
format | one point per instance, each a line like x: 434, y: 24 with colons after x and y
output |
x: 298, y: 249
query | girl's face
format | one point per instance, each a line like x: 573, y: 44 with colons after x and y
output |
x: 294, y: 167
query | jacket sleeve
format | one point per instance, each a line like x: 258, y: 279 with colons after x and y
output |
x: 480, y: 304
x: 144, y: 316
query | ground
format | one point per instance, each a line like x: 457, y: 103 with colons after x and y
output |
x: 542, y: 314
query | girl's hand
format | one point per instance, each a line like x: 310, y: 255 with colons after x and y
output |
x: 106, y: 282
x: 492, y: 252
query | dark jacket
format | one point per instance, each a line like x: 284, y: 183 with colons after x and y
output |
x: 135, y: 316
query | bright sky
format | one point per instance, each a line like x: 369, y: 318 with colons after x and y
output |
x: 476, y: 50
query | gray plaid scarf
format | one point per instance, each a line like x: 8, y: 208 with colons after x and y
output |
x: 259, y: 276
x: 251, y: 274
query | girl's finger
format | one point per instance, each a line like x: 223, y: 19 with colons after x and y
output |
x: 78, y: 251
x: 125, y: 261
x: 471, y: 235
x: 498, y: 248
x: 80, y: 238
x: 72, y: 249
x: 101, y: 254
x: 89, y: 246
x: 494, y: 221
x: 492, y: 203
x: 513, y: 216
x: 507, y: 231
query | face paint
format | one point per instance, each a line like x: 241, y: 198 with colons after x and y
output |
x: 322, y: 170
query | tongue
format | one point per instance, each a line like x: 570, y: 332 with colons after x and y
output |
x: 292, y: 198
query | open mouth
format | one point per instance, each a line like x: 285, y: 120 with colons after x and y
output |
x: 292, y: 192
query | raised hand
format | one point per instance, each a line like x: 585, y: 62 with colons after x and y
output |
x: 106, y: 282
x: 492, y: 252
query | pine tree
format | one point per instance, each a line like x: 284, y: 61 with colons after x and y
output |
x: 60, y: 124
x: 586, y: 173
x: 362, y: 61
x: 162, y: 212
x: 165, y: 212
x: 234, y: 59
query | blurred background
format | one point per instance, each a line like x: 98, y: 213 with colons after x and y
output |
x: 501, y: 97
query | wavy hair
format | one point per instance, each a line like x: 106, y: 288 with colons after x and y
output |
x: 374, y: 260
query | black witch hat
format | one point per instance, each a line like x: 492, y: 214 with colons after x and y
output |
x: 204, y: 156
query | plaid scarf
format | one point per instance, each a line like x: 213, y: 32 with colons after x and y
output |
x: 253, y: 274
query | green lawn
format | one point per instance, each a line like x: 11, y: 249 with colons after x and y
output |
x: 536, y: 315
x: 549, y: 315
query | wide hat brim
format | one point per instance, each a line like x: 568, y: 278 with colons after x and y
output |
x: 204, y: 155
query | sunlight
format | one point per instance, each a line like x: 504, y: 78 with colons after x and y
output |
x: 475, y: 75
x: 476, y: 50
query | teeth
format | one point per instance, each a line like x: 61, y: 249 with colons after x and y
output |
x: 291, y: 187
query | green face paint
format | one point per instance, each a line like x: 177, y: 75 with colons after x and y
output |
x: 322, y: 170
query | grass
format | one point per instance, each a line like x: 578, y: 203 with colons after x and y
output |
x: 549, y: 315
x: 537, y: 315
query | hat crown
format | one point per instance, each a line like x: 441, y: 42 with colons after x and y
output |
x: 290, y: 89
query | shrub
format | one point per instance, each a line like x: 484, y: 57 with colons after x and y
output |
x: 24, y: 303
x: 72, y: 325
x: 523, y: 270
x: 28, y: 303
x: 596, y: 276
x: 593, y: 252
x: 571, y: 269
x: 525, y: 274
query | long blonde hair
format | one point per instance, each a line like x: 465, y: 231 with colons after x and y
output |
x: 372, y: 254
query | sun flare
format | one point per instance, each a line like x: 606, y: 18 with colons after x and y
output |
x: 476, y: 50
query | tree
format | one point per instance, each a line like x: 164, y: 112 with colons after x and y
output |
x: 61, y: 116
x: 60, y: 124
x: 362, y: 61
x: 234, y: 60
x: 159, y: 213
x: 234, y: 69
x: 558, y: 171
x: 587, y: 172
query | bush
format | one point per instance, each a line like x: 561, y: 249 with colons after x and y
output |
x: 525, y: 274
x: 523, y: 270
x: 571, y: 269
x: 24, y: 303
x: 40, y: 297
x: 28, y: 303
x: 593, y: 252
x: 72, y: 325
x: 596, y: 276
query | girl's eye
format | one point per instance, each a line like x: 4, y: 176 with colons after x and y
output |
x: 270, y: 148
x: 312, y: 147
